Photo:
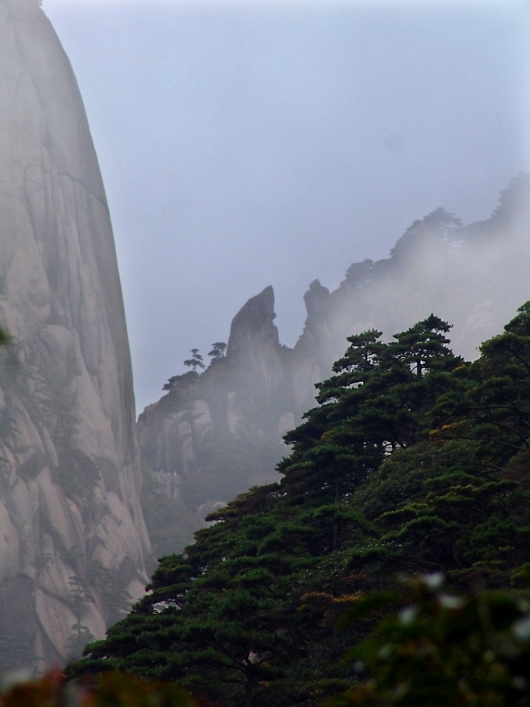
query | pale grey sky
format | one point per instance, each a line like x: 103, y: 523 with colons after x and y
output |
x: 247, y: 144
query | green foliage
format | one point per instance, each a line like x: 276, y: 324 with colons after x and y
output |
x: 170, y: 383
x: 415, y: 462
x: 79, y: 599
x: 80, y: 637
x: 218, y: 351
x: 230, y: 636
x: 181, y: 381
x: 491, y: 403
x: 4, y: 336
x: 195, y: 361
x: 433, y: 508
x: 443, y: 649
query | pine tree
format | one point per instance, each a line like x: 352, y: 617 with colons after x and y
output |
x: 195, y: 361
x: 218, y: 351
x: 415, y: 461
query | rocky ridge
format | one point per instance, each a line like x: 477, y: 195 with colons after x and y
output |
x: 475, y: 277
x: 214, y: 435
x: 218, y: 434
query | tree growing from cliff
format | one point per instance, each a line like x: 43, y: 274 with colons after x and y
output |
x: 218, y: 351
x: 195, y: 361
x: 79, y: 600
x: 170, y: 383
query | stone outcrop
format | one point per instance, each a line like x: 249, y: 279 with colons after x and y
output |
x: 214, y: 435
x: 73, y: 543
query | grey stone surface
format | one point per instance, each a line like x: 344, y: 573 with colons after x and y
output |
x: 70, y: 475
x: 218, y: 434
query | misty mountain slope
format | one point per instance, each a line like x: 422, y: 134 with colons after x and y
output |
x: 73, y: 540
x: 218, y: 434
x: 472, y: 276
x: 214, y: 435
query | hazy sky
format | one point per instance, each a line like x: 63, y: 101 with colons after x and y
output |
x: 247, y: 144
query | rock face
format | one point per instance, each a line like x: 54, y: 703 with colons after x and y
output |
x: 72, y: 536
x: 220, y: 433
x: 215, y: 435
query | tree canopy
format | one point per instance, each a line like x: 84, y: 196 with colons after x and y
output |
x: 218, y: 351
x: 414, y: 462
x: 195, y: 361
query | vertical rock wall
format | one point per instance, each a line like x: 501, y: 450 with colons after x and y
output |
x: 215, y: 435
x: 73, y: 543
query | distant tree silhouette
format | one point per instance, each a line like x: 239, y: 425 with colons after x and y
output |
x: 170, y: 383
x: 195, y: 361
x: 218, y: 351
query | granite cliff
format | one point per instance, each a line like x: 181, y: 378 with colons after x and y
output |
x: 220, y: 433
x: 73, y: 543
x: 215, y: 435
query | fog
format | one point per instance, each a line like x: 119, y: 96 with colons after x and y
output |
x: 250, y: 144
